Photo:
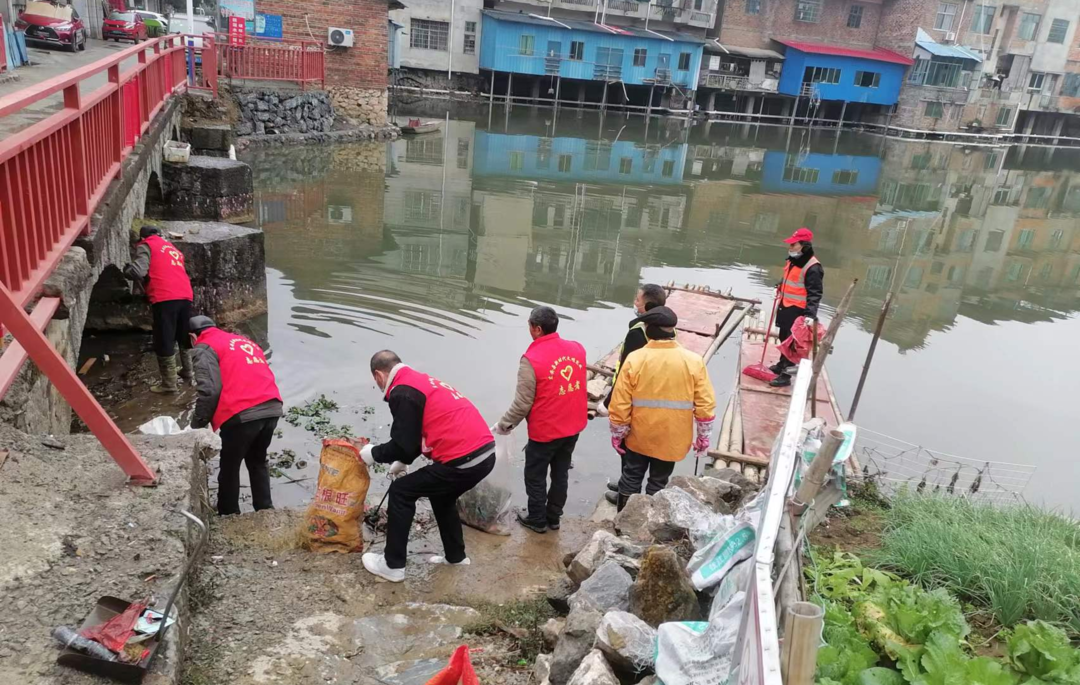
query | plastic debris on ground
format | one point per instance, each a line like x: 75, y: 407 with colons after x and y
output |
x: 487, y: 506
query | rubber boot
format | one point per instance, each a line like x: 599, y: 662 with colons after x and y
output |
x: 167, y: 367
x: 187, y: 366
x: 614, y: 487
x: 623, y: 499
x: 612, y: 497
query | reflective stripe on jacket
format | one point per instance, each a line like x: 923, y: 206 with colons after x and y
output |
x: 167, y: 279
x: 793, y: 288
x: 660, y: 390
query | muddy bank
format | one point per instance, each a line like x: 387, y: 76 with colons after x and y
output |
x: 269, y: 612
x: 74, y: 531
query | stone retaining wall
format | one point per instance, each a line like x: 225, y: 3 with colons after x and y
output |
x: 270, y: 112
x: 366, y: 105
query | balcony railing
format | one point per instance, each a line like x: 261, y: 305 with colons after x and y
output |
x: 735, y: 82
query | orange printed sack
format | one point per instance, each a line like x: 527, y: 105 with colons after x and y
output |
x: 334, y: 517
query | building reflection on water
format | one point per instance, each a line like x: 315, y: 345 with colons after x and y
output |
x: 450, y: 224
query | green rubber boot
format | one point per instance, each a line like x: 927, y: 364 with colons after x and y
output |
x: 187, y: 366
x: 167, y: 367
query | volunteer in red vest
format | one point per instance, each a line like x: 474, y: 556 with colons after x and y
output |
x: 237, y: 396
x: 159, y: 268
x: 552, y: 396
x: 800, y: 295
x: 433, y: 419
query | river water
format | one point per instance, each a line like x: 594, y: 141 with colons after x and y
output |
x: 437, y: 246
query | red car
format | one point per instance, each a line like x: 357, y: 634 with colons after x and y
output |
x: 124, y: 26
x: 52, y: 23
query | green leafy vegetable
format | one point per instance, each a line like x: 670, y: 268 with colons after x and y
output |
x: 1043, y: 651
x: 944, y: 663
x: 846, y: 652
x: 881, y: 676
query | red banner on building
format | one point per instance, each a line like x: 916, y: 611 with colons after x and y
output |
x: 237, y: 30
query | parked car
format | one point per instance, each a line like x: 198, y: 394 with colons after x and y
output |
x: 124, y: 26
x: 52, y: 23
x: 204, y: 24
x: 156, y: 24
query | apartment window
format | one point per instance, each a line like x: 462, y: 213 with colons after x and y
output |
x: 1071, y: 86
x: 1058, y: 29
x: 1001, y: 196
x: 1026, y: 239
x: 639, y: 56
x: 939, y: 74
x: 854, y: 17
x: 1037, y: 198
x: 1004, y: 117
x: 992, y: 159
x: 462, y: 154
x: 564, y: 163
x: 982, y: 19
x: 422, y: 205
x: 946, y: 15
x: 753, y: 6
x: 845, y: 177
x: 1036, y: 80
x: 469, y: 47
x: 867, y: 79
x: 808, y: 11
x: 797, y: 174
x: 1029, y: 26
x: 626, y: 165
x: 526, y: 45
x: 1056, y: 238
x: 698, y: 4
x: 920, y: 161
x: 1045, y: 271
x: 577, y: 50
x: 428, y: 35
x: 993, y: 241
x: 934, y: 110
x: 684, y: 61
x: 668, y: 170
x: 424, y: 150
x: 821, y: 75
x: 517, y: 160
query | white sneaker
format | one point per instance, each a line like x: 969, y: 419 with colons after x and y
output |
x: 376, y: 565
x: 442, y: 560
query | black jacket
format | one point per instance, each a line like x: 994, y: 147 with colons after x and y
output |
x: 407, y: 431
x: 813, y: 279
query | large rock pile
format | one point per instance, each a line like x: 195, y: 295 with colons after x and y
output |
x: 620, y: 587
x: 274, y: 112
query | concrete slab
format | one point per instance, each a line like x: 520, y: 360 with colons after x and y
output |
x: 74, y: 531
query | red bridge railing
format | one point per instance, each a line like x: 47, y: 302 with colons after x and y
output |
x: 303, y: 62
x: 54, y: 173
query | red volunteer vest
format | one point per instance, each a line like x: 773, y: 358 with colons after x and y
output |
x: 168, y: 279
x: 560, y: 408
x: 246, y: 378
x: 452, y: 426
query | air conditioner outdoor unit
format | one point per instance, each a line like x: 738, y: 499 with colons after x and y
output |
x: 950, y: 37
x: 342, y: 38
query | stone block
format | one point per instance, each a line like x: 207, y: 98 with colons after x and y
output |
x: 628, y: 642
x: 577, y: 640
x: 662, y: 591
x: 551, y: 630
x: 602, y: 547
x: 606, y: 589
x: 541, y: 669
x: 594, y: 670
x: 558, y: 594
x: 206, y: 188
x: 210, y: 137
x: 714, y: 493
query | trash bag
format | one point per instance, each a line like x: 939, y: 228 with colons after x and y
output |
x: 458, y: 672
x: 487, y: 506
x: 333, y: 519
x: 712, y: 562
x: 161, y: 425
x: 695, y: 652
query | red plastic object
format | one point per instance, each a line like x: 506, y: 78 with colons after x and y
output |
x: 459, y: 671
x: 759, y: 370
x: 115, y: 632
x: 800, y: 344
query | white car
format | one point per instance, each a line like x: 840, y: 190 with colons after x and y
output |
x: 204, y: 24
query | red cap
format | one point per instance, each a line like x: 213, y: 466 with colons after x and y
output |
x: 803, y: 235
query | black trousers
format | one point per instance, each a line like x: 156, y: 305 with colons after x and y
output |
x: 634, y: 467
x: 171, y: 326
x: 245, y: 442
x: 785, y: 319
x: 546, y: 505
x: 442, y: 485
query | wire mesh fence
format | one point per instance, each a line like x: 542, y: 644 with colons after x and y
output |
x: 895, y: 465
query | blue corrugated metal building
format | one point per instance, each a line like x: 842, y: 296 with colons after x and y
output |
x: 544, y: 46
x: 817, y: 173
x: 842, y: 74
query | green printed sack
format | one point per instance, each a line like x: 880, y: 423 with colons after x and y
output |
x: 712, y: 562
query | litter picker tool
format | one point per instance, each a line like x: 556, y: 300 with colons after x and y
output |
x: 759, y: 370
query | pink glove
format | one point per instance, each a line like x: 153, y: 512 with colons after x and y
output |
x: 704, y: 433
x: 618, y: 434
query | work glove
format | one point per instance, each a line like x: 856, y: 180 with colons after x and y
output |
x: 704, y: 433
x: 618, y: 434
x: 366, y: 454
x: 501, y: 429
x: 601, y: 410
x: 398, y: 468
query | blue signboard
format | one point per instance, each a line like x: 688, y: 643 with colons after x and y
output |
x: 266, y: 26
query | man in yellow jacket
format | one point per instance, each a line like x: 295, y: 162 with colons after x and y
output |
x: 662, y: 397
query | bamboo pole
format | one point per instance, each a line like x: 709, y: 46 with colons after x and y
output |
x: 802, y: 635
x: 723, y: 443
x: 870, y: 356
x: 723, y: 335
x: 813, y: 386
x: 825, y: 346
x: 815, y: 475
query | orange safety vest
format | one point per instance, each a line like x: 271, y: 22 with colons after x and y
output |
x: 793, y: 289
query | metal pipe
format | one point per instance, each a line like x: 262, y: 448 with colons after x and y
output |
x: 450, y: 40
x: 869, y: 356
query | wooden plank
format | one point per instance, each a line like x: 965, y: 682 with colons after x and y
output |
x: 86, y: 366
x: 741, y: 458
x: 698, y: 312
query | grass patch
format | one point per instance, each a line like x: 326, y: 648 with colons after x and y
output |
x: 520, y: 619
x: 1016, y: 562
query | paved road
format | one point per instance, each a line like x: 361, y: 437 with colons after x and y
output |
x: 50, y: 62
